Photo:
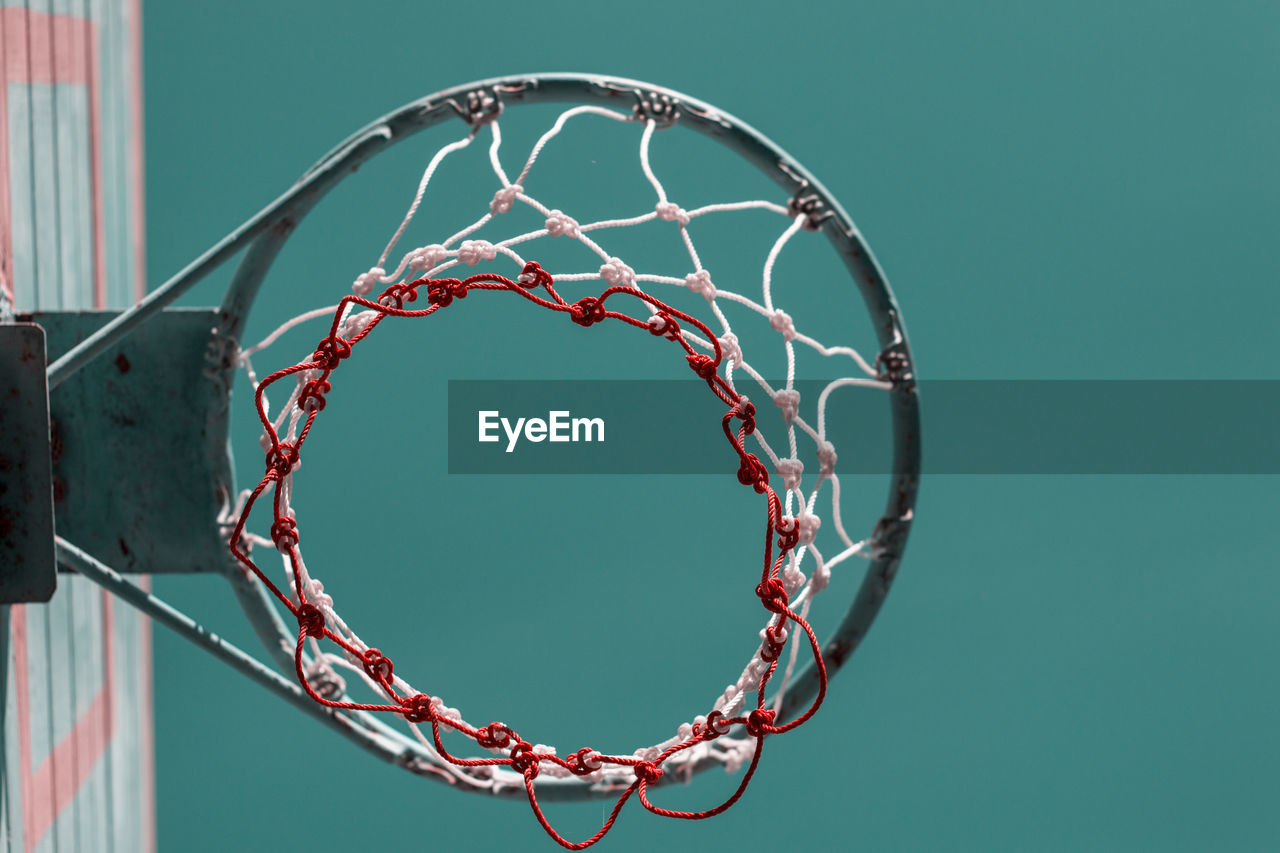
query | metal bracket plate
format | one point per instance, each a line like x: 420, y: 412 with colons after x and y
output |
x: 26, y: 496
x: 139, y: 437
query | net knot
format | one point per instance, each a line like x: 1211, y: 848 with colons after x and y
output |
x: 282, y: 458
x: 792, y: 577
x: 533, y: 275
x: 648, y: 772
x: 712, y: 727
x: 560, y: 224
x: 773, y: 595
x: 670, y: 212
x: 418, y: 708
x: 772, y: 639
x: 504, y: 198
x: 755, y: 670
x: 482, y: 107
x: 284, y: 532
x: 615, y: 272
x: 584, y: 761
x: 397, y: 295
x: 493, y: 736
x: 657, y: 107
x: 703, y: 365
x: 472, y: 252
x: 664, y: 325
x: 780, y: 321
x: 745, y: 411
x: 700, y: 282
x: 587, y: 311
x: 367, y: 281
x: 316, y: 595
x: 807, y: 526
x: 311, y: 397
x: 377, y: 666
x: 311, y: 620
x: 788, y: 530
x: 790, y: 470
x: 752, y: 473
x: 444, y: 712
x: 731, y: 350
x: 524, y: 759
x: 826, y: 458
x: 810, y: 206
x: 443, y: 291
x: 893, y: 366
x: 821, y: 577
x: 788, y: 400
x: 760, y: 722
x: 427, y: 257
x: 331, y: 351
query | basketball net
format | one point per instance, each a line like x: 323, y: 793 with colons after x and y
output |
x: 793, y: 474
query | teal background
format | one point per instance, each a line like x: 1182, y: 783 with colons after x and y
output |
x: 1057, y: 191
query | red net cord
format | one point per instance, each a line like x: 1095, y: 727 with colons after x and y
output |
x: 517, y: 753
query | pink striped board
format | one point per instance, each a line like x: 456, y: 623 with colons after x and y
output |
x: 77, y: 757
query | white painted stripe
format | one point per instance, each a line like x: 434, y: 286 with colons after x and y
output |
x: 75, y: 217
x: 51, y: 164
x: 22, y: 204
x: 11, y: 813
x: 38, y: 689
x: 124, y: 750
x: 60, y: 667
x: 115, y: 156
x: 88, y: 681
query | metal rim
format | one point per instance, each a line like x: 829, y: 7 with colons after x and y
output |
x: 262, y: 237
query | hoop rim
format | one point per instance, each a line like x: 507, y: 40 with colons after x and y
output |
x: 265, y: 234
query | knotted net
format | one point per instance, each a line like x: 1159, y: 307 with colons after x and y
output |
x: 793, y: 470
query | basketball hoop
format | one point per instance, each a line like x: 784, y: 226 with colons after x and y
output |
x: 705, y: 325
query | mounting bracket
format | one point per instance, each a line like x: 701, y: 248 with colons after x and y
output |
x: 127, y: 457
x: 26, y: 496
